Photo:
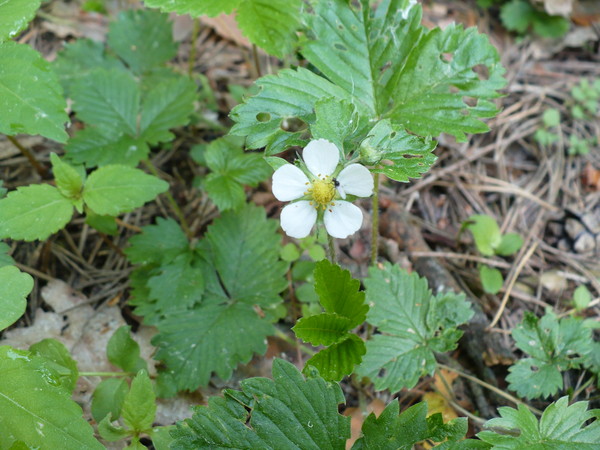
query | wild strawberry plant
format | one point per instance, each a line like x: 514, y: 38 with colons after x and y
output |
x: 376, y: 90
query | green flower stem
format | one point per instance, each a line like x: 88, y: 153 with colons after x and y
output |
x: 41, y: 170
x: 375, y: 218
x: 283, y: 336
x: 192, y: 55
x: 256, y: 59
x: 172, y: 202
x: 331, y: 249
x: 106, y: 374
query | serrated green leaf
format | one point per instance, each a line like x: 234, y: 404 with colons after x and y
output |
x: 68, y: 180
x: 108, y: 398
x: 322, y: 329
x: 15, y: 15
x: 128, y: 37
x: 413, y: 325
x: 30, y: 96
x: 166, y: 105
x: 509, y: 244
x: 485, y: 232
x: 391, y: 431
x: 287, y: 412
x: 35, y: 408
x: 5, y: 258
x: 139, y: 407
x: 339, y: 359
x: 60, y: 360
x: 340, y: 293
x: 14, y: 289
x: 491, y: 279
x: 95, y: 146
x: 112, y: 190
x: 195, y: 8
x: 160, y: 243
x: 225, y: 192
x: 270, y: 24
x: 124, y: 352
x: 409, y: 155
x: 561, y: 426
x: 234, y: 318
x: 554, y: 345
x: 34, y: 212
x: 109, y: 99
x: 78, y: 58
x: 335, y: 120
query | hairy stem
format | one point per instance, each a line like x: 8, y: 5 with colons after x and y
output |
x: 41, y: 170
x: 192, y: 55
x: 331, y: 249
x: 174, y: 206
x: 256, y: 61
x: 375, y: 218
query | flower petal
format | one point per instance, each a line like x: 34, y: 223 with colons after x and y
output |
x: 289, y: 183
x: 342, y: 219
x: 298, y: 218
x: 321, y: 157
x: 355, y: 179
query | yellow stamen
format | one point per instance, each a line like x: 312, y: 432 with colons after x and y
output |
x: 323, y: 192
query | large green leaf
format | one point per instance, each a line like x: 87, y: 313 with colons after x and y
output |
x: 15, y: 15
x: 243, y: 278
x: 555, y: 346
x: 31, y: 98
x: 195, y: 8
x: 413, y: 325
x: 35, y: 408
x: 286, y: 412
x: 34, y: 212
x: 60, y: 360
x: 109, y: 99
x: 112, y: 190
x: 160, y: 243
x: 270, y: 24
x: 129, y: 38
x: 5, y: 258
x: 14, y: 289
x: 560, y: 427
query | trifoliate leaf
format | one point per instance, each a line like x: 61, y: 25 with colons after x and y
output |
x: 339, y: 359
x: 195, y: 8
x: 413, y: 325
x: 340, y: 293
x: 79, y: 58
x: 68, y: 180
x: 112, y: 190
x: 555, y: 346
x: 15, y: 15
x: 128, y: 37
x: 391, y: 431
x: 485, y: 232
x: 561, y: 426
x: 231, y: 168
x: 491, y: 279
x: 5, y: 258
x: 108, y: 99
x: 335, y: 121
x: 95, y: 146
x: 409, y: 155
x: 286, y: 412
x: 35, y: 408
x: 14, y: 289
x: 139, y: 407
x: 509, y: 244
x: 30, y: 96
x: 60, y: 360
x: 322, y: 329
x: 34, y: 212
x: 108, y: 398
x: 270, y: 24
x: 160, y: 243
x: 124, y: 352
x: 243, y: 278
x: 166, y: 105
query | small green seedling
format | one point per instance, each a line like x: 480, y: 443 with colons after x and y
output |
x: 586, y: 96
x: 581, y: 298
x: 544, y: 135
x: 490, y: 241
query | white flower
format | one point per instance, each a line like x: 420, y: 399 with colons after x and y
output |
x: 317, y: 193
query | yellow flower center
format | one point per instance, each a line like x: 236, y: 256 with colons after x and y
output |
x: 322, y: 192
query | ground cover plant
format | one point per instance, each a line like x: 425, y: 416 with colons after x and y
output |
x: 238, y: 237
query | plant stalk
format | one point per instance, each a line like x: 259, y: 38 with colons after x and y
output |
x: 375, y: 219
x: 331, y: 249
x: 41, y: 170
x: 193, y: 50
